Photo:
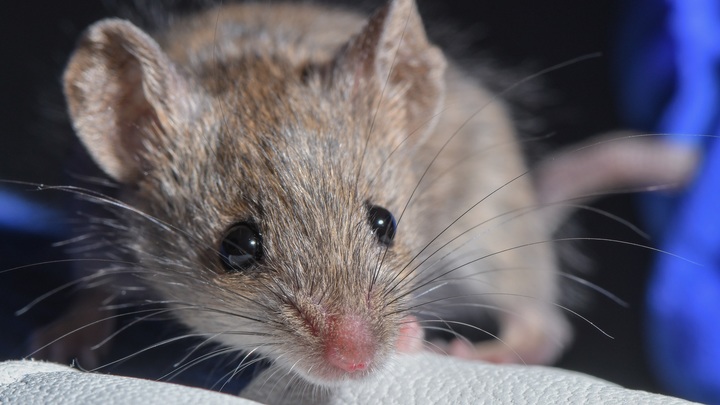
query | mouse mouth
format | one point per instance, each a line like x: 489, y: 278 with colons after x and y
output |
x: 352, y: 352
x: 331, y: 375
x: 345, y: 347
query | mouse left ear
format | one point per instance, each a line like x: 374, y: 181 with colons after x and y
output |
x: 392, y: 53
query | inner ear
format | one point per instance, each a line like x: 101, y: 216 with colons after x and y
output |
x: 124, y: 96
x: 392, y: 53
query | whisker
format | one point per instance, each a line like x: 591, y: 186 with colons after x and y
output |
x: 372, y: 128
x: 377, y: 108
x: 115, y: 316
x: 621, y: 242
x: 93, y: 276
x: 486, y: 150
x: 153, y: 313
x: 454, y: 280
x: 493, y: 98
x: 97, y: 197
x: 242, y: 366
x: 205, y: 357
x: 642, y: 135
x: 596, y: 288
x: 150, y: 347
x: 520, y: 212
x: 436, y: 237
x: 197, y: 347
x: 469, y: 304
x: 63, y: 261
x: 492, y: 335
x: 447, y: 329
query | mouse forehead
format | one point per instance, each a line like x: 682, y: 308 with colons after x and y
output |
x: 268, y: 118
x: 266, y: 95
x: 298, y: 166
x: 271, y: 139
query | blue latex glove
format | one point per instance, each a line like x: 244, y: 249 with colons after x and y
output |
x: 670, y: 83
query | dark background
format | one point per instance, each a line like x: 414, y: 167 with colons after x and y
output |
x: 522, y: 35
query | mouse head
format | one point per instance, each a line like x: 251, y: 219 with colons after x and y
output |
x: 259, y: 192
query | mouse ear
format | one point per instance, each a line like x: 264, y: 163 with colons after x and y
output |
x: 124, y: 95
x: 393, y: 54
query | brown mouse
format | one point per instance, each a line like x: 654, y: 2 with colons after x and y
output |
x: 314, y: 187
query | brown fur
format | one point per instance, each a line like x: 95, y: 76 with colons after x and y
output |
x: 295, y: 117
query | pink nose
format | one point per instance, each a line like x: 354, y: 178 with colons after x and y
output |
x: 349, y: 345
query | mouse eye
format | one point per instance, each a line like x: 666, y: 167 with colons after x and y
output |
x: 383, y: 224
x: 241, y: 247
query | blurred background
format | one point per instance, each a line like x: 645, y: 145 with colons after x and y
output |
x: 519, y: 37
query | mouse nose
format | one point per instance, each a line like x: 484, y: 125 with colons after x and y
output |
x: 349, y: 344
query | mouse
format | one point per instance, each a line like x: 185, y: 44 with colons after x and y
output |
x: 318, y: 188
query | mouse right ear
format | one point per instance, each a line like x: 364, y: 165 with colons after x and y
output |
x: 125, y: 97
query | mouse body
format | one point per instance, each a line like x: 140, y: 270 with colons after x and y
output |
x: 312, y: 186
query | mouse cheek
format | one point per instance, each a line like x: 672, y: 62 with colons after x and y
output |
x: 411, y: 336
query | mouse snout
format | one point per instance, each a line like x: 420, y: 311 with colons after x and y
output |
x: 349, y: 343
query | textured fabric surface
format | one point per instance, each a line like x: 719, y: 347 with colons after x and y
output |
x: 433, y: 379
x: 33, y: 382
x: 421, y: 379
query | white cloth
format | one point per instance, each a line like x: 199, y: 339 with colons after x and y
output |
x: 419, y: 379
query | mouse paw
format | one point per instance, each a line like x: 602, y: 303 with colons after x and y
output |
x: 411, y: 336
x: 530, y: 340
